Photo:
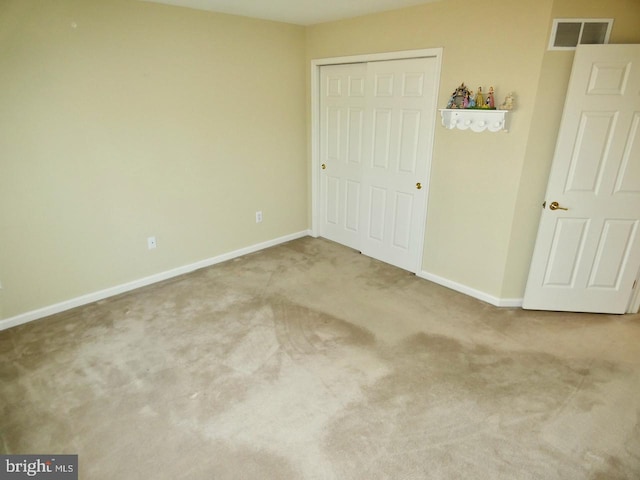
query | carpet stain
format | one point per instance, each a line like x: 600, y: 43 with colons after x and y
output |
x: 452, y: 404
x: 304, y: 330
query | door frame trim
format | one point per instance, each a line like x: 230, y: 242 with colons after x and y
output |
x: 315, y: 127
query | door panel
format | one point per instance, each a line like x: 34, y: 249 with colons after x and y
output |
x: 402, y: 224
x: 569, y: 237
x: 377, y: 212
x: 590, y: 153
x: 409, y: 141
x: 381, y: 137
x: 354, y: 135
x: 332, y: 200
x: 613, y: 251
x: 587, y: 252
x: 628, y: 180
x: 352, y: 219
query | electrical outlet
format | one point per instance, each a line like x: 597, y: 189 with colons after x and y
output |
x: 259, y: 217
x: 151, y: 243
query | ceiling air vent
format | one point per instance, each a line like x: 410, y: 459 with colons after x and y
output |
x: 567, y: 33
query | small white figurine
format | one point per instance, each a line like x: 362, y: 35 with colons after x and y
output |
x: 508, y: 102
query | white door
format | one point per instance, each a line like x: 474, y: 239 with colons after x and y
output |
x: 395, y: 172
x: 342, y: 113
x: 587, y: 253
x: 375, y: 151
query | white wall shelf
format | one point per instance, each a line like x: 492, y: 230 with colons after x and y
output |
x: 476, y: 120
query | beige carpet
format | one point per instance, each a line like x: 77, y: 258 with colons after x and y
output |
x: 310, y: 361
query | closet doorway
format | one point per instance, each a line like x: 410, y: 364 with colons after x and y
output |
x: 373, y: 142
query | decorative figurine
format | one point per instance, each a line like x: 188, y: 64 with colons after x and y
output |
x: 508, y: 102
x: 458, y: 97
x: 452, y: 100
x: 479, y: 98
x: 472, y: 102
x: 490, y: 99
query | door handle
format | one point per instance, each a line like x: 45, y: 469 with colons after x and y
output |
x: 556, y: 206
x: 418, y: 185
x: 324, y: 166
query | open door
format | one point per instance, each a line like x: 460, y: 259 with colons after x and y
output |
x: 587, y: 253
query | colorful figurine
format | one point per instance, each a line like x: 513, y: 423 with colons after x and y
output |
x: 490, y: 99
x: 479, y: 98
x: 458, y: 97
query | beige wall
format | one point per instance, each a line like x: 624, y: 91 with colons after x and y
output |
x: 554, y: 78
x: 486, y: 189
x: 122, y: 119
x: 475, y: 176
x: 142, y: 120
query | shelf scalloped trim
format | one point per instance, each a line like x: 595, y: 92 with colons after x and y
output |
x: 476, y: 120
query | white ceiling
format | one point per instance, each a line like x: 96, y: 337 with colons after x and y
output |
x: 300, y: 12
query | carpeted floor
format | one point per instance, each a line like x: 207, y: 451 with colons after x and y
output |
x: 310, y: 361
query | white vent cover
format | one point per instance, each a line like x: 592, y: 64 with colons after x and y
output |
x: 567, y: 33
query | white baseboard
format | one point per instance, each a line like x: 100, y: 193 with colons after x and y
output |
x: 472, y: 292
x: 143, y: 282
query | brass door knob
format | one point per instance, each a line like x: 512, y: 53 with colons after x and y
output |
x: 556, y: 206
x: 324, y: 166
x: 418, y: 185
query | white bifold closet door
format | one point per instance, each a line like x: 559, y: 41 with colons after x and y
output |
x: 376, y: 125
